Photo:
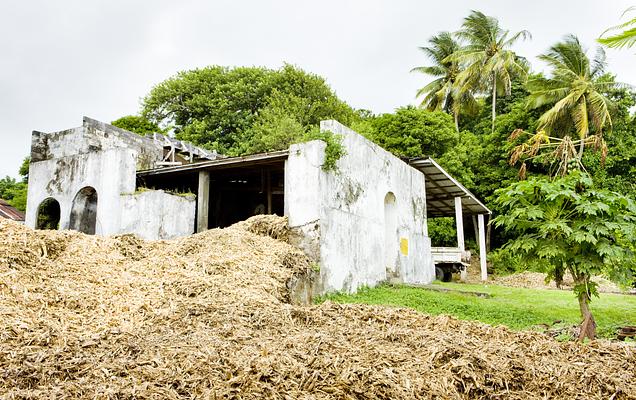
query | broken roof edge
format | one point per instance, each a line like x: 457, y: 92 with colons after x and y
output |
x: 154, y: 138
x: 102, y: 126
x: 227, y: 161
x: 428, y: 161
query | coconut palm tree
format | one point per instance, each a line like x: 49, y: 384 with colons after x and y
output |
x: 575, y: 90
x: 625, y: 38
x: 442, y: 93
x: 490, y: 64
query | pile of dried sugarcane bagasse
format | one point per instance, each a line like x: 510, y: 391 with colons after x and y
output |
x: 209, y: 316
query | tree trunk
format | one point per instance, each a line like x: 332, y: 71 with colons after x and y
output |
x: 456, y: 116
x: 582, y: 146
x: 588, y: 326
x: 494, y: 100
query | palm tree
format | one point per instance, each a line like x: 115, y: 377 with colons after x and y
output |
x: 490, y: 64
x: 575, y: 91
x: 625, y: 38
x: 441, y: 94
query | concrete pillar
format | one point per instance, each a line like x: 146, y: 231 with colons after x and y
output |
x: 482, y: 247
x: 203, y: 200
x: 459, y: 225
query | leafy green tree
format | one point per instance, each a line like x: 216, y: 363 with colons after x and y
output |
x: 568, y: 225
x: 615, y: 170
x: 626, y: 35
x: 15, y: 192
x: 7, y: 184
x: 412, y: 132
x: 574, y: 91
x: 442, y: 93
x: 222, y: 107
x: 442, y: 231
x: 490, y: 64
x: 137, y: 124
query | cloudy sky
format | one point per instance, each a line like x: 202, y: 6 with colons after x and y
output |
x: 60, y: 60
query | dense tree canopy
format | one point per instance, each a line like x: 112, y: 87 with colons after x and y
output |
x: 137, y: 124
x: 243, y: 109
x: 14, y: 191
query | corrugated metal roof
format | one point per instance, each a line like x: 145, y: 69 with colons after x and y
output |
x: 441, y: 190
x: 10, y: 212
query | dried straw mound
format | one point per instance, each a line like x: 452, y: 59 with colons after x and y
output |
x: 266, y: 225
x: 208, y: 316
x: 536, y: 280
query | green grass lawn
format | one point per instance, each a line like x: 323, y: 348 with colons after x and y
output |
x: 513, y: 307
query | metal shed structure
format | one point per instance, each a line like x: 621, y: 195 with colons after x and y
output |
x: 446, y: 197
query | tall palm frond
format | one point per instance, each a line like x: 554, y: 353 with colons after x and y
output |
x: 441, y: 94
x: 491, y: 66
x: 574, y: 91
x: 626, y: 36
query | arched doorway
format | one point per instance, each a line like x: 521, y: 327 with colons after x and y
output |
x: 390, y: 233
x: 84, y: 211
x: 48, y: 216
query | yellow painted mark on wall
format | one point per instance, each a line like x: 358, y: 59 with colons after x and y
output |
x: 404, y: 246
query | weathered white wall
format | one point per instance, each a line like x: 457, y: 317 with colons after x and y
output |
x: 155, y: 214
x: 105, y: 158
x: 94, y: 136
x: 110, y: 173
x: 348, y: 207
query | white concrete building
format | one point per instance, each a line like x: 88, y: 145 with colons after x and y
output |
x: 363, y: 224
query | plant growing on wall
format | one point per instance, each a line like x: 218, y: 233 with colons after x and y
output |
x: 568, y: 225
x: 334, y: 149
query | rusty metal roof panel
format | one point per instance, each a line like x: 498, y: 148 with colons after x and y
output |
x: 9, y: 212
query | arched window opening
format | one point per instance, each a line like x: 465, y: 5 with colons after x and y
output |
x: 48, y: 216
x: 390, y: 233
x: 84, y: 211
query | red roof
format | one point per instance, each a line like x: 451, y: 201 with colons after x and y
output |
x: 9, y: 212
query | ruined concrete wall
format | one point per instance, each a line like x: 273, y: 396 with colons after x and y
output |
x: 109, y: 172
x: 303, y: 173
x: 348, y: 206
x: 94, y: 155
x: 155, y: 214
x: 94, y: 136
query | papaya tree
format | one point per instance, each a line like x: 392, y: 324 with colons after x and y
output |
x: 569, y: 226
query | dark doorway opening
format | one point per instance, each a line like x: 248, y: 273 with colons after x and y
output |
x: 239, y: 193
x: 84, y: 211
x: 48, y: 216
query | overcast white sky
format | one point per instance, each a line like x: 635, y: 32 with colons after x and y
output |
x: 60, y: 60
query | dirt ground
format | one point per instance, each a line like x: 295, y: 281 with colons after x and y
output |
x: 210, y: 316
